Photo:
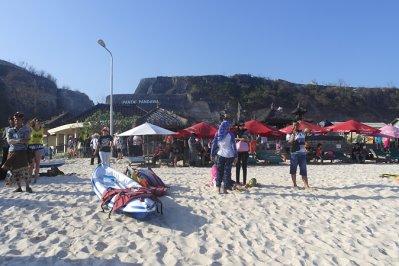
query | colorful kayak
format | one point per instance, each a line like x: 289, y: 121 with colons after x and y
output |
x: 105, y: 177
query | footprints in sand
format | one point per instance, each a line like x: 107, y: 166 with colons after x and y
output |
x: 37, y: 239
x: 100, y: 246
x: 202, y: 250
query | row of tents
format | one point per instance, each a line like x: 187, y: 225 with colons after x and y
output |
x: 205, y: 130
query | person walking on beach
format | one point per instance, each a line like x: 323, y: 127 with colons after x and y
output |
x: 105, y: 146
x: 17, y: 159
x: 6, y: 146
x: 118, y: 146
x: 242, y: 145
x: 298, y: 154
x: 224, y: 154
x: 192, y: 142
x: 93, y: 147
x: 35, y: 147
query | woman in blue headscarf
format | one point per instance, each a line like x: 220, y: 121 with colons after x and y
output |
x: 224, y: 153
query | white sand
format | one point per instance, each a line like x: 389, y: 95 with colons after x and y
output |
x: 351, y: 218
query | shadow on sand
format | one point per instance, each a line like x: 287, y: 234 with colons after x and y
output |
x: 57, y: 259
x: 63, y: 179
x: 177, y: 217
x: 30, y: 204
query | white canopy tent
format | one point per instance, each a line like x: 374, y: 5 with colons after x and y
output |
x: 146, y: 129
x: 58, y: 135
x: 66, y: 129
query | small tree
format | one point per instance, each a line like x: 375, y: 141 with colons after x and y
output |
x: 100, y: 119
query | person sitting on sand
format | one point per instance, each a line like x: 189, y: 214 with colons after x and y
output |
x: 160, y: 152
x: 17, y: 160
x: 298, y: 154
x: 224, y: 154
x: 35, y: 147
x: 104, y: 146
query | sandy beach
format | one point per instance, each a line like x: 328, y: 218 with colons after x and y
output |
x: 351, y: 217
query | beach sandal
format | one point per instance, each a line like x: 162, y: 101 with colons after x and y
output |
x: 28, y: 189
x: 18, y: 190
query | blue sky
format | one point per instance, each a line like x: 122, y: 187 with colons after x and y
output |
x: 354, y: 41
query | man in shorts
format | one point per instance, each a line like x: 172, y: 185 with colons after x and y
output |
x: 17, y: 160
x: 298, y: 154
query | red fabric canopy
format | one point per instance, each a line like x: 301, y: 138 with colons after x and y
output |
x: 302, y: 126
x: 202, y: 130
x: 182, y: 134
x: 352, y: 126
x: 258, y: 128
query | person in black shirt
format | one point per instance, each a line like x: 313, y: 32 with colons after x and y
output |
x: 104, y: 146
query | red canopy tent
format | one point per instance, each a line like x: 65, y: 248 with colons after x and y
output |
x: 352, y: 126
x: 302, y: 126
x: 182, y: 134
x: 202, y: 130
x: 258, y: 128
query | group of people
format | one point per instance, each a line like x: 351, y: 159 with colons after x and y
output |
x: 229, y: 148
x: 22, y: 151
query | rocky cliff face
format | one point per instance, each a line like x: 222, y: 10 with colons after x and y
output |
x: 208, y: 95
x: 35, y: 96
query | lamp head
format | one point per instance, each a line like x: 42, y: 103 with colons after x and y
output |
x: 101, y: 42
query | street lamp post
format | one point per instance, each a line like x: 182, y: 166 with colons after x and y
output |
x: 111, y: 124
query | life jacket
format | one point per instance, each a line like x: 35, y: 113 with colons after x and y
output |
x: 146, y: 177
x: 124, y: 196
x: 152, y: 178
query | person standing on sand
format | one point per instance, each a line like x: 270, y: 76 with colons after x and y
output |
x: 17, y: 160
x: 6, y: 146
x: 242, y: 146
x: 105, y: 146
x: 298, y: 154
x: 35, y: 147
x: 94, y: 151
x: 224, y: 154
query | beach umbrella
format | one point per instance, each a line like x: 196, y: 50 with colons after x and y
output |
x: 202, y: 130
x: 146, y: 129
x: 258, y: 128
x: 315, y: 129
x: 390, y: 131
x: 352, y: 126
